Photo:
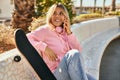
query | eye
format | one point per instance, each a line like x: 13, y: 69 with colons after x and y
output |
x: 61, y: 13
x: 54, y: 13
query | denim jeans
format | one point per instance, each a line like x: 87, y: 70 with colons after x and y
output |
x: 72, y: 68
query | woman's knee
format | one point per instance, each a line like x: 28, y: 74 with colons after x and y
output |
x: 73, y: 53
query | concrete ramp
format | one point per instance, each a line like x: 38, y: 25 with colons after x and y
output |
x: 110, y: 63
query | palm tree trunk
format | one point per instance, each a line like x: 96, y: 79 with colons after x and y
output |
x: 113, y: 6
x: 94, y: 6
x: 103, y: 9
x: 23, y: 13
x: 81, y: 1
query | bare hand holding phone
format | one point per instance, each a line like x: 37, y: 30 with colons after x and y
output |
x: 67, y: 26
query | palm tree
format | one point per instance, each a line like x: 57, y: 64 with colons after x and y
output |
x: 94, y: 6
x: 103, y: 9
x: 81, y: 2
x: 113, y: 5
x: 23, y: 13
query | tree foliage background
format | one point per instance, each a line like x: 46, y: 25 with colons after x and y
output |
x: 42, y: 6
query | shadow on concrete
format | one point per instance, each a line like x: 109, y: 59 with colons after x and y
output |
x: 110, y: 63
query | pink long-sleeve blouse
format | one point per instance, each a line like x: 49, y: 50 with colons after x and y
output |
x: 60, y: 43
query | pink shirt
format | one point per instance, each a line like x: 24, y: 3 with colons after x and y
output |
x: 60, y: 43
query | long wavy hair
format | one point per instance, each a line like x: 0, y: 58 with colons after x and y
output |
x: 52, y: 10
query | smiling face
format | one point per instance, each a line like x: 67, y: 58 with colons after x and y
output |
x: 57, y: 18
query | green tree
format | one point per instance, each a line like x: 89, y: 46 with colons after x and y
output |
x: 43, y: 6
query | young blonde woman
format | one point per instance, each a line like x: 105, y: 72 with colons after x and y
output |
x: 58, y: 47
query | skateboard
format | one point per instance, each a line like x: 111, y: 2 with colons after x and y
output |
x: 32, y: 56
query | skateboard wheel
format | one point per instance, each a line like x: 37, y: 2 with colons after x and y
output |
x: 17, y: 58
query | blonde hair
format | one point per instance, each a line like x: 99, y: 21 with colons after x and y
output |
x: 52, y: 10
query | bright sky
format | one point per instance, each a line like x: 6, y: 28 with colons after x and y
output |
x: 91, y: 2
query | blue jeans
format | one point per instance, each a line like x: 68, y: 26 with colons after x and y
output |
x: 71, y: 67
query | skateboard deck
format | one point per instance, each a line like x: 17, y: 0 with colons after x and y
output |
x: 32, y: 56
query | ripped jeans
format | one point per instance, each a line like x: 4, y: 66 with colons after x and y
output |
x: 72, y: 68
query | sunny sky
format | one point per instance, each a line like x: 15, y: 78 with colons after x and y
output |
x: 91, y: 2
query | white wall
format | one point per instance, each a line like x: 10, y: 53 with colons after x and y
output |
x: 6, y: 8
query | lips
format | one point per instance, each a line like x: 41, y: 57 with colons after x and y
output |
x: 57, y: 20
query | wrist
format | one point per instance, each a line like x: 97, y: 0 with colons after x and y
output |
x: 69, y: 33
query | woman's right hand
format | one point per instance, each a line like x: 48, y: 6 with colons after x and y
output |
x: 50, y: 54
x: 67, y: 26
